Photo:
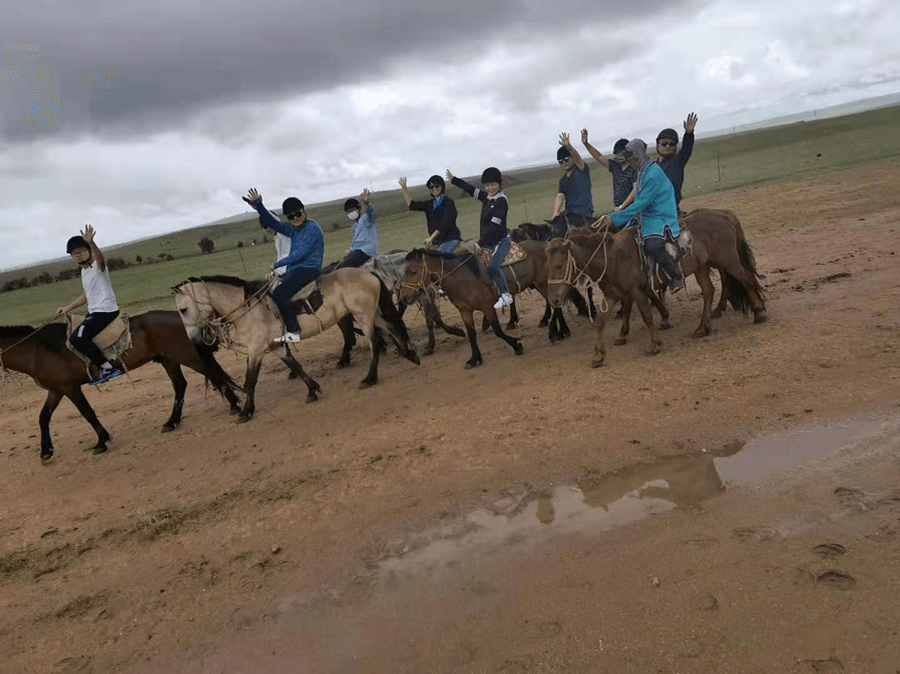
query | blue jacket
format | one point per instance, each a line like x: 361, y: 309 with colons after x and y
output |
x: 365, y: 238
x: 654, y: 204
x: 307, y: 242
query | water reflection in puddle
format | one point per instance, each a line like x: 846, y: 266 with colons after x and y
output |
x: 595, y: 505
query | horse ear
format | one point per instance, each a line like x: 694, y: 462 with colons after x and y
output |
x: 548, y: 222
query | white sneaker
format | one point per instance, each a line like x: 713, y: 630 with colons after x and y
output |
x: 504, y: 301
x: 289, y: 337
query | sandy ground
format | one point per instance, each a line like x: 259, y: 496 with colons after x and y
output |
x: 532, y: 515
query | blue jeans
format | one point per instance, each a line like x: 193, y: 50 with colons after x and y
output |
x: 448, y: 246
x: 497, y: 258
x: 291, y: 284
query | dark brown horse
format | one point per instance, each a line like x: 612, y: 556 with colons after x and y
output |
x: 465, y: 281
x: 156, y: 335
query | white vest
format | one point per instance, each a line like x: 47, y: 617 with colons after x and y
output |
x: 98, y: 290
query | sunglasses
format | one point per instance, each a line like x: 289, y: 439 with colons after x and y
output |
x: 434, y: 187
x: 667, y: 143
x: 563, y: 161
x: 295, y: 216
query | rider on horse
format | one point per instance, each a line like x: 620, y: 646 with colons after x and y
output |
x: 101, y: 301
x: 671, y: 162
x: 364, y: 241
x: 573, y: 198
x: 304, y: 263
x: 654, y: 207
x: 440, y: 214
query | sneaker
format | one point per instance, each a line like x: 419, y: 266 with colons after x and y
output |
x: 105, y: 374
x: 504, y: 301
x: 292, y: 337
x: 675, y: 285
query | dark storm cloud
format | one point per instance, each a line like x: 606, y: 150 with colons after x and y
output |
x: 111, y: 67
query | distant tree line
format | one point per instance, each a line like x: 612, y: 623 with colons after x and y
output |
x: 45, y: 277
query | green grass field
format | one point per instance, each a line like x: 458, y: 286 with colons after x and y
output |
x: 794, y: 151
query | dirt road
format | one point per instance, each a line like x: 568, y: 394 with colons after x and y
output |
x: 530, y: 515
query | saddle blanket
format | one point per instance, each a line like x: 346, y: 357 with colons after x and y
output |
x: 516, y: 254
x: 113, y: 340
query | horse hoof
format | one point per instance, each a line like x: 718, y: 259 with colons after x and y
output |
x: 243, y: 418
x: 341, y: 364
x: 512, y: 326
x: 293, y: 375
x: 46, y: 455
x: 597, y: 363
x: 554, y: 339
x: 366, y: 384
x: 519, y: 349
x: 428, y: 352
x: 473, y: 363
x: 414, y: 358
x: 168, y: 428
x: 234, y: 410
x: 760, y: 317
x: 654, y: 351
x: 716, y: 313
x: 543, y: 324
x: 700, y: 332
x: 665, y: 325
x: 98, y: 449
x: 311, y: 398
x: 620, y: 341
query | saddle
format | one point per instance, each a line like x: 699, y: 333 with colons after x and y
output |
x: 114, y: 340
x: 516, y: 254
x: 681, y: 246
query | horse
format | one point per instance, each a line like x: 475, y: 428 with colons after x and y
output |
x: 216, y: 307
x: 159, y: 336
x: 613, y: 261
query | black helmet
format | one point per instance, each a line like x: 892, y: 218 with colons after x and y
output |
x: 75, y: 243
x: 668, y: 133
x: 492, y: 175
x: 291, y: 205
x: 620, y: 145
x: 436, y: 181
x: 351, y: 204
x: 563, y: 153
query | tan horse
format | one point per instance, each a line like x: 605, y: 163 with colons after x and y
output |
x: 217, y: 307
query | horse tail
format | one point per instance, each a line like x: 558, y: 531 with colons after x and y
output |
x: 393, y: 322
x: 736, y: 293
x: 214, y: 374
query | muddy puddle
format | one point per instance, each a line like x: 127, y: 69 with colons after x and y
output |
x: 514, y: 525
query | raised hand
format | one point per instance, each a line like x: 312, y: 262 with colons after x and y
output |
x: 564, y: 140
x: 88, y: 233
x: 402, y: 181
x: 584, y: 136
x: 690, y: 123
x: 449, y: 175
x: 252, y: 196
x: 364, y: 196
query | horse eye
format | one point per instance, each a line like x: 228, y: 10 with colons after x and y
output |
x: 184, y: 311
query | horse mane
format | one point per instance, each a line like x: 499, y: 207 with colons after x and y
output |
x: 249, y: 287
x: 52, y: 336
x: 470, y: 259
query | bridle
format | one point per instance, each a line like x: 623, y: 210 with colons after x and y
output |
x: 420, y: 285
x: 218, y: 328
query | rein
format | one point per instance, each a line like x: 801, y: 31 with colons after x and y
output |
x: 420, y: 284
x: 220, y: 326
x: 579, y: 278
x: 27, y: 337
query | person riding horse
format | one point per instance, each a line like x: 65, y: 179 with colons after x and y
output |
x: 654, y: 207
x: 673, y: 162
x: 304, y: 263
x: 364, y: 240
x: 623, y: 177
x: 440, y: 214
x: 573, y: 199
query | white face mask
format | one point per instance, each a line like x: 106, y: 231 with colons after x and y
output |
x: 353, y: 215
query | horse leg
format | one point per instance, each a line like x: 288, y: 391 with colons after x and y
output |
x: 450, y: 330
x: 625, y: 313
x: 253, y: 365
x: 346, y: 326
x: 512, y: 341
x: 661, y: 307
x: 50, y: 405
x: 485, y: 323
x: 545, y: 319
x: 513, y: 317
x: 469, y: 322
x: 577, y: 299
x: 179, y: 384
x: 81, y: 403
x: 553, y: 325
x: 706, y: 286
x: 722, y: 305
x: 564, y: 331
x: 599, y: 339
x: 643, y: 304
x: 297, y: 371
x: 375, y: 342
x: 428, y: 311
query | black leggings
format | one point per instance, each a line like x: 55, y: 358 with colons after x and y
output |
x: 83, y: 336
x: 656, y: 249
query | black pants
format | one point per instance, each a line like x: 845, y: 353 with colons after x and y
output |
x: 656, y: 249
x: 355, y: 258
x: 291, y: 284
x: 83, y: 337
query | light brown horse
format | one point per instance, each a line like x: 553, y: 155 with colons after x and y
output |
x: 156, y: 336
x: 215, y: 306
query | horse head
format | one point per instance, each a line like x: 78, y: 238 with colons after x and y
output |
x: 415, y: 277
x: 559, y: 279
x: 194, y: 304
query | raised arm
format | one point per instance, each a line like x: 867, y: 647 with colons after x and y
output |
x: 266, y: 219
x: 594, y: 152
x: 405, y: 190
x: 687, y: 143
x: 96, y: 253
x: 566, y: 143
x: 368, y: 208
x: 471, y: 190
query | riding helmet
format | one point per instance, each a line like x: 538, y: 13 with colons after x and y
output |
x: 351, y: 205
x: 492, y: 175
x: 563, y: 153
x: 620, y: 145
x: 668, y: 133
x: 75, y: 243
x: 291, y: 205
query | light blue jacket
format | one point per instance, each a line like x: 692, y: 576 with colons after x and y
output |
x: 654, y: 204
x: 365, y: 238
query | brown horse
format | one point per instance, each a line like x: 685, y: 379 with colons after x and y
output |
x: 612, y: 260
x: 465, y: 281
x: 211, y: 306
x: 156, y: 335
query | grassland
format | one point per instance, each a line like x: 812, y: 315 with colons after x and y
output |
x: 729, y: 162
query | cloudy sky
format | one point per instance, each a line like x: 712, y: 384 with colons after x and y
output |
x: 142, y: 118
